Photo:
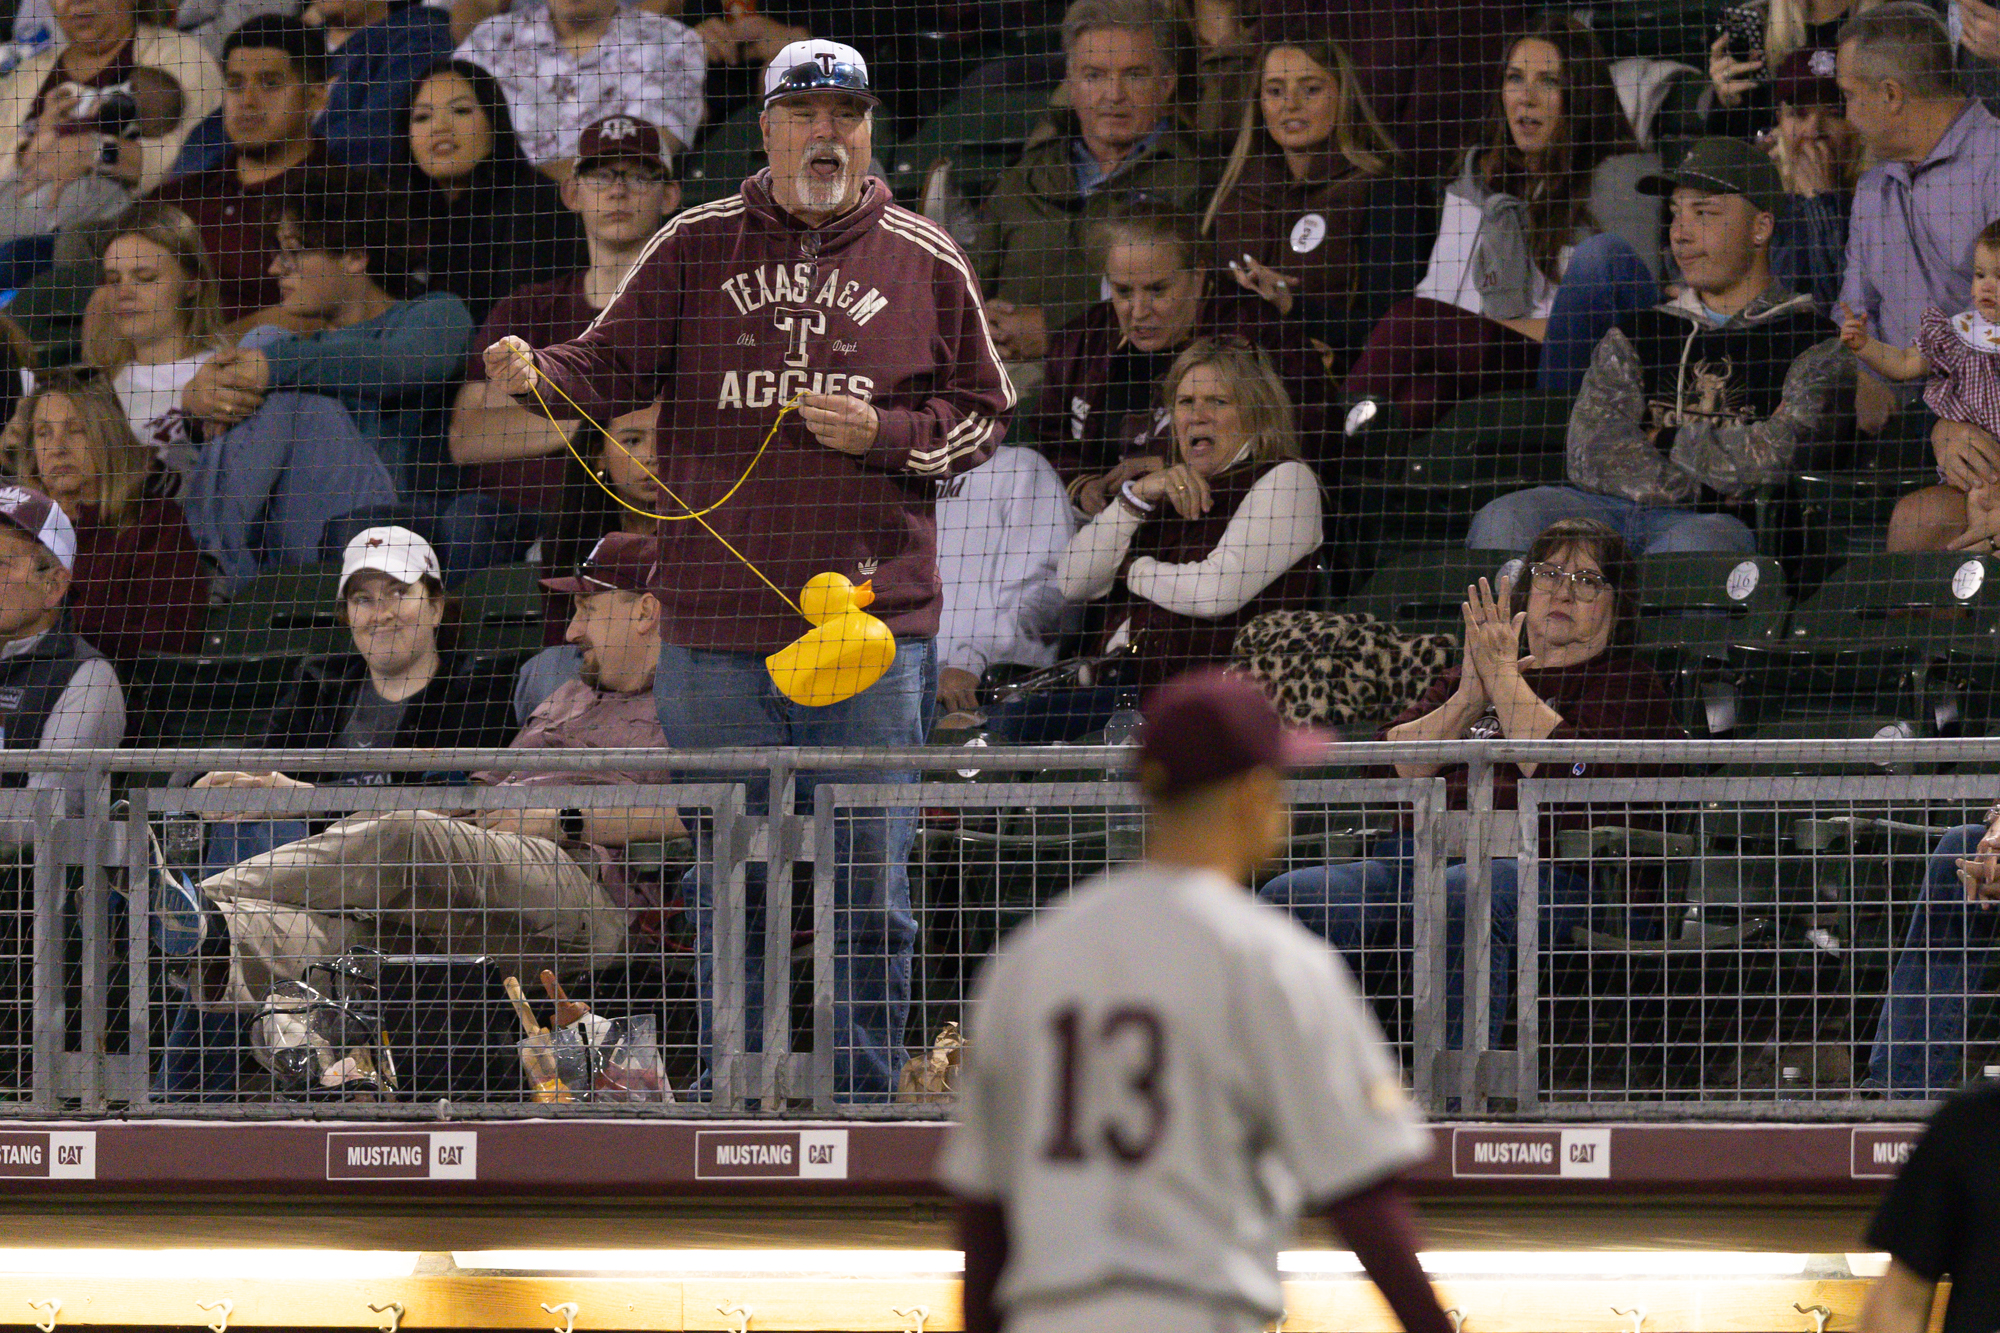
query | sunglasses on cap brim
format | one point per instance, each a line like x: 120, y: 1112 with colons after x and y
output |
x: 842, y: 76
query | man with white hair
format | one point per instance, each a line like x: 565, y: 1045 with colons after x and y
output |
x: 810, y: 286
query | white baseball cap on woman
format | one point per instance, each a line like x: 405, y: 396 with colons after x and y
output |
x: 397, y: 552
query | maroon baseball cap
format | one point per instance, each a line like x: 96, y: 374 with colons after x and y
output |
x: 611, y: 137
x: 1806, y: 78
x: 620, y: 562
x: 1212, y: 724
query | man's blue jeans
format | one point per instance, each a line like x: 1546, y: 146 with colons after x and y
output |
x: 713, y: 699
x: 1920, y: 1039
x: 1362, y: 907
x: 1605, y: 279
x: 1512, y: 522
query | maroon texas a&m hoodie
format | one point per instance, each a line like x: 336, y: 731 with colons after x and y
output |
x: 732, y: 310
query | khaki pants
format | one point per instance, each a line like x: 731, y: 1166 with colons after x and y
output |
x: 462, y: 889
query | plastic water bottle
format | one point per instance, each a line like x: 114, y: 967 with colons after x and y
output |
x: 1123, y: 728
x: 13, y: 53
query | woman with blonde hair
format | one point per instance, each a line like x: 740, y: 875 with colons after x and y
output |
x: 1309, y: 166
x: 139, y: 583
x: 1185, y: 556
x: 154, y: 321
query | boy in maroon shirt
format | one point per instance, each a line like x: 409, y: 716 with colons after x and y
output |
x: 622, y: 190
x: 808, y: 284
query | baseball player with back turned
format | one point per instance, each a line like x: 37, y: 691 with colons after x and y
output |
x: 1164, y: 1070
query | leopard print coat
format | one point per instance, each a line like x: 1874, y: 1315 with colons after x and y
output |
x: 1340, y: 668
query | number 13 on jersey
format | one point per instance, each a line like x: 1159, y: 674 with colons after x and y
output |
x: 1108, y: 1085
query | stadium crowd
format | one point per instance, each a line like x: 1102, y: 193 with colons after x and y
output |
x: 1242, y: 267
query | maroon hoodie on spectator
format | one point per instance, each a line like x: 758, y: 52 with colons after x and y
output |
x: 735, y: 308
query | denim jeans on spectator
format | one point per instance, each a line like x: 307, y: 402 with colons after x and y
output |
x: 1920, y: 1038
x: 1605, y: 279
x: 1512, y: 522
x: 1364, y: 907
x: 714, y: 699
x: 263, y: 493
x: 234, y: 840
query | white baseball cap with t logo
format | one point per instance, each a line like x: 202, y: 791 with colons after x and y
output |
x: 397, y: 552
x: 817, y: 66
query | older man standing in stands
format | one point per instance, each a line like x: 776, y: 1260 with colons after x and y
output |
x: 1935, y: 183
x: 808, y: 285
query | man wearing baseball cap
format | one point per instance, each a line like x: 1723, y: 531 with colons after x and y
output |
x: 553, y: 887
x: 1168, y: 1069
x: 808, y: 287
x: 1691, y: 405
x: 399, y: 689
x: 57, y: 692
x: 622, y: 190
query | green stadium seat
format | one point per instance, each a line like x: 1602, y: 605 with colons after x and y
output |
x: 289, y: 613
x: 1701, y: 604
x: 1859, y: 655
x: 1924, y: 600
x: 1422, y: 592
x: 1484, y: 448
x: 1838, y: 506
x: 980, y: 135
x: 223, y: 693
x: 49, y: 311
x: 1506, y: 440
x: 731, y: 151
x: 501, y: 611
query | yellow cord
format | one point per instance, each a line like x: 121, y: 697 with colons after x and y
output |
x: 692, y: 513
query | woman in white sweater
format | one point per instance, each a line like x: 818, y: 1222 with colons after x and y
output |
x: 1186, y: 555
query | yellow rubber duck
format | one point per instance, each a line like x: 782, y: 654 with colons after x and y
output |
x: 847, y: 652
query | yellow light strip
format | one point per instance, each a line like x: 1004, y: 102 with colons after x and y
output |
x: 286, y: 1264
x: 841, y: 1263
x: 207, y: 1263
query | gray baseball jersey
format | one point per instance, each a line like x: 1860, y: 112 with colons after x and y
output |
x: 1160, y: 1074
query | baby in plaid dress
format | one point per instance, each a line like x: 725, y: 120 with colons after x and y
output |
x: 1960, y: 353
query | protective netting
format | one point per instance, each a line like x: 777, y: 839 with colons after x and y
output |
x: 677, y: 376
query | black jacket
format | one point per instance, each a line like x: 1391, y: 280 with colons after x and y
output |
x: 459, y: 707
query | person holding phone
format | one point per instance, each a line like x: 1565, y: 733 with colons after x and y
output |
x: 1752, y: 39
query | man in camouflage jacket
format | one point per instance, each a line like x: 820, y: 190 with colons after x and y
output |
x: 1690, y: 406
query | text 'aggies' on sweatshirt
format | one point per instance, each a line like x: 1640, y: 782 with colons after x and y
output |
x: 735, y: 308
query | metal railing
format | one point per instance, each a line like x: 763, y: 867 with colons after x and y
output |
x: 1714, y: 944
